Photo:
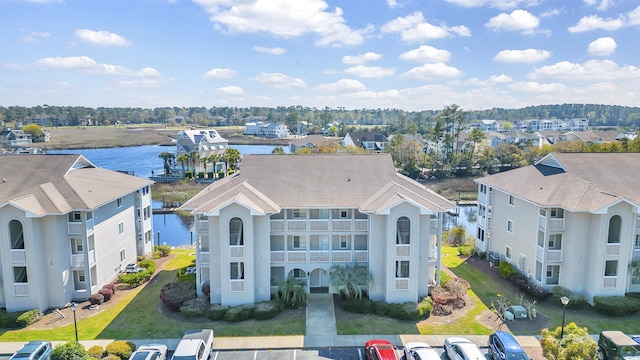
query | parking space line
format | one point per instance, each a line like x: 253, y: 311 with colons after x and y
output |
x: 216, y: 355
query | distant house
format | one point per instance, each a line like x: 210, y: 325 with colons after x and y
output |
x: 275, y: 131
x: 303, y: 127
x: 587, y: 136
x: 571, y: 219
x: 67, y: 228
x: 487, y: 125
x: 253, y: 128
x: 206, y: 142
x: 10, y: 138
x: 311, y: 142
x: 372, y: 142
x: 295, y: 216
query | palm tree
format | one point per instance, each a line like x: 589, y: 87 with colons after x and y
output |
x: 292, y: 293
x: 349, y: 280
x: 193, y: 158
x: 232, y: 157
x: 167, y: 157
x: 182, y: 159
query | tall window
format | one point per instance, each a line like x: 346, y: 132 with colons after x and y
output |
x: 237, y: 270
x: 512, y: 200
x: 123, y: 255
x: 636, y: 244
x: 611, y: 268
x: 510, y: 226
x: 236, y: 236
x: 555, y: 241
x: 614, y: 230
x: 121, y: 228
x: 16, y: 234
x: 402, y: 229
x: 75, y: 216
x: 20, y: 274
x: 119, y: 202
x: 402, y: 269
x: 508, y: 253
x: 557, y: 213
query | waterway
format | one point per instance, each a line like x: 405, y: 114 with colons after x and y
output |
x: 169, y: 229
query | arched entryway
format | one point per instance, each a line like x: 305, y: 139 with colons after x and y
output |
x: 319, y: 281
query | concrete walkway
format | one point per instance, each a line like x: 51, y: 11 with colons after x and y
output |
x: 320, y: 320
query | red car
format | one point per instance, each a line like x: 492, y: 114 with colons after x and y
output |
x: 380, y: 350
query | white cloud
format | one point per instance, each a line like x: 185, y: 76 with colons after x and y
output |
x: 392, y: 3
x: 219, y: 73
x: 342, y: 85
x: 601, y: 4
x: 87, y: 65
x: 432, y: 71
x: 279, y: 81
x: 370, y: 71
x: 43, y: 1
x: 35, y: 35
x: 138, y: 83
x: 361, y: 58
x: 522, y: 56
x: 230, y: 90
x: 603, y: 46
x: 284, y: 18
x: 594, y: 22
x: 500, y: 4
x: 413, y: 28
x: 270, y: 51
x: 517, y: 20
x: 633, y: 17
x: 590, y: 71
x: 102, y: 38
x: 536, y: 87
x: 552, y: 12
x: 493, y: 80
x: 426, y: 53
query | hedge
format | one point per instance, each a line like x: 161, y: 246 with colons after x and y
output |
x: 28, y: 317
x: 96, y: 351
x: 121, y: 348
x: 616, y: 305
x: 217, y: 312
x: 8, y: 320
x: 135, y: 279
x: 239, y: 313
x: 195, y: 307
x: 96, y: 299
x: 267, y: 310
x: 106, y: 293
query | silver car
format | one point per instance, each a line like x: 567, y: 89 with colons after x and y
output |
x: 34, y: 350
x: 150, y: 352
x: 459, y: 348
x: 420, y: 351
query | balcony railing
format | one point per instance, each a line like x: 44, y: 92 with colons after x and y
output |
x: 236, y: 285
x: 203, y: 225
x: 297, y: 225
x: 554, y: 255
x: 75, y: 228
x: 277, y: 256
x: 609, y: 282
x: 203, y: 258
x: 434, y: 226
x: 341, y: 256
x: 277, y: 225
x: 319, y: 225
x: 542, y: 222
x: 402, y: 284
x: 319, y: 256
x: 236, y: 251
x: 341, y: 225
x: 613, y: 249
x: 556, y: 224
x: 361, y: 256
x: 361, y: 225
x: 81, y: 259
x: 539, y: 252
x: 21, y: 289
x: 297, y: 256
x: 403, y: 250
x: 18, y: 255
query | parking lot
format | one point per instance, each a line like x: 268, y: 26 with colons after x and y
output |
x: 299, y: 354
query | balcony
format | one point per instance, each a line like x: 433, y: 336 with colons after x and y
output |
x: 613, y: 249
x: 203, y: 258
x: 277, y: 225
x: 236, y: 285
x: 609, y: 282
x: 319, y: 256
x: 297, y: 256
x: 554, y: 256
x: 556, y: 224
x: 403, y: 250
x: 236, y: 251
x: 434, y: 226
x: 361, y: 256
x: 203, y: 225
x: 402, y: 284
x: 361, y: 225
x: 79, y: 260
x: 297, y: 225
x: 341, y: 225
x: 75, y: 228
x: 319, y: 225
x: 18, y: 255
x: 341, y: 256
x: 20, y: 289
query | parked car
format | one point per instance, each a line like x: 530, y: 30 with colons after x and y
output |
x: 420, y: 351
x: 195, y: 345
x: 459, y: 348
x: 380, y: 350
x: 34, y: 350
x: 150, y: 352
x: 503, y: 346
x: 616, y: 345
x: 636, y: 338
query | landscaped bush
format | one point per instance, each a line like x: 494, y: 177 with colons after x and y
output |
x: 468, y: 249
x: 616, y: 305
x: 217, y: 312
x: 358, y: 306
x: 110, y: 286
x: 187, y: 278
x: 96, y: 351
x: 111, y: 357
x: 136, y: 279
x: 28, y: 317
x: 576, y: 302
x: 424, y: 307
x: 96, y: 299
x: 148, y: 264
x: 174, y: 294
x: 405, y: 311
x: 381, y: 308
x: 157, y: 254
x: 164, y: 249
x: 195, y: 307
x: 444, y: 277
x: 188, y: 174
x: 70, y: 350
x: 106, y: 293
x: 506, y: 270
x: 267, y: 310
x: 239, y: 313
x: 8, y: 320
x: 121, y: 348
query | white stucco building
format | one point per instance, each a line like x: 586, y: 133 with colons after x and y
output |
x: 295, y: 216
x: 571, y: 220
x: 67, y: 228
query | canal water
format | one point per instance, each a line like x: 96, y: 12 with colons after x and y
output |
x: 170, y: 229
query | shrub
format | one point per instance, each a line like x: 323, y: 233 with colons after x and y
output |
x: 164, y: 249
x: 405, y: 311
x: 135, y: 279
x: 616, y: 305
x: 96, y: 351
x: 157, y: 254
x: 194, y: 307
x: 424, y: 307
x: 110, y: 286
x: 358, y: 306
x: 188, y: 174
x: 96, y: 299
x: 468, y: 249
x: 239, y: 313
x: 149, y: 265
x: 267, y: 310
x: 381, y: 308
x: 8, y: 319
x: 506, y: 270
x: 121, y: 348
x: 111, y: 357
x: 576, y: 302
x: 220, y: 174
x: 187, y: 278
x: 174, y: 294
x: 70, y: 350
x: 217, y: 312
x: 444, y: 278
x: 106, y: 294
x: 28, y: 317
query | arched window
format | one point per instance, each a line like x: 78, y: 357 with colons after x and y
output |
x: 235, y: 232
x: 402, y: 229
x: 17, y: 236
x: 615, y: 224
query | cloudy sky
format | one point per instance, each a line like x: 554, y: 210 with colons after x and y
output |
x: 405, y: 54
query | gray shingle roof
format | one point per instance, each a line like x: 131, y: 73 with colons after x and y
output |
x: 583, y: 182
x: 57, y: 184
x: 272, y: 182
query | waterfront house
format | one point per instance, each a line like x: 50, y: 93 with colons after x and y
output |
x: 571, y: 220
x: 371, y: 141
x: 67, y: 228
x: 312, y: 142
x: 206, y: 142
x: 9, y: 138
x: 286, y: 216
